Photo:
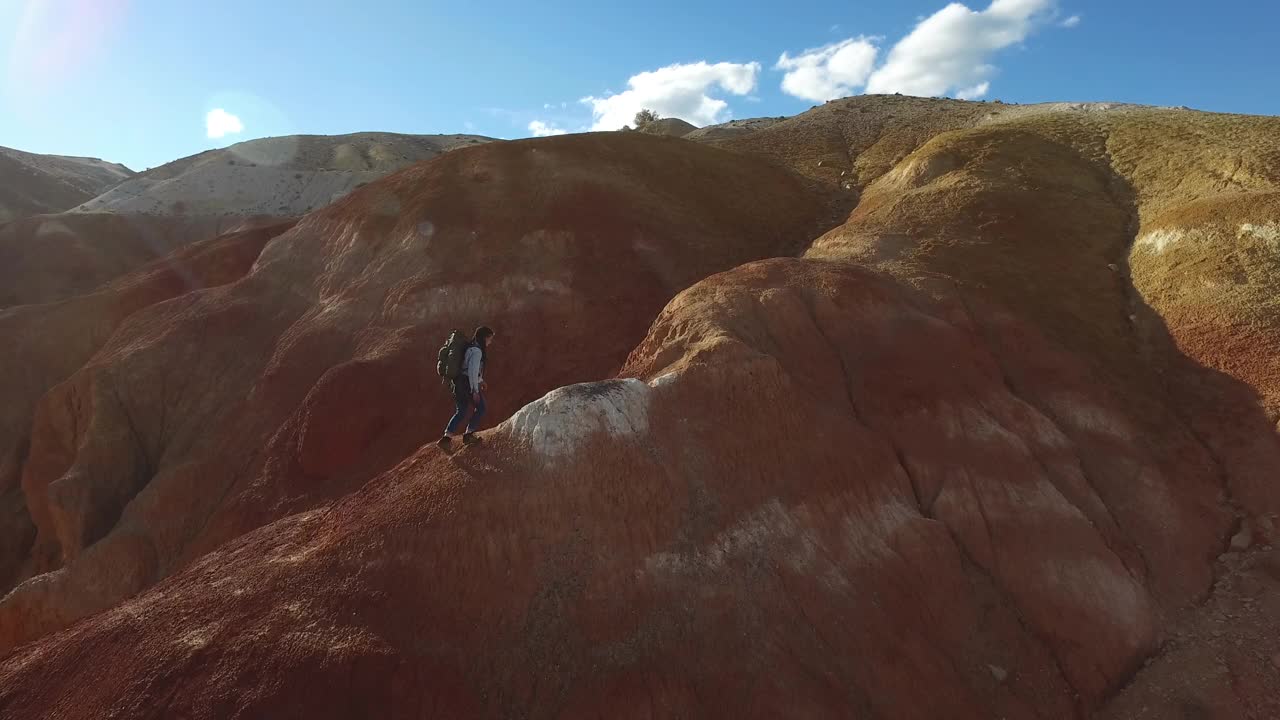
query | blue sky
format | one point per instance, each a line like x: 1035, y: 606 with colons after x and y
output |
x: 134, y: 81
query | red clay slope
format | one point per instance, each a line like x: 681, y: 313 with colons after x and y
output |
x: 228, y: 408
x: 822, y: 498
x: 45, y: 344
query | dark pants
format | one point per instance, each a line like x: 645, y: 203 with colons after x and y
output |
x: 463, y: 400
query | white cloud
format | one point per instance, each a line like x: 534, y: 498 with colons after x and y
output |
x: 947, y: 52
x: 219, y: 122
x: 1071, y: 22
x: 952, y: 48
x: 679, y: 91
x: 541, y: 129
x: 830, y: 71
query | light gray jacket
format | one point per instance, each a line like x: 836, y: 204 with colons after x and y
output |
x: 472, y: 364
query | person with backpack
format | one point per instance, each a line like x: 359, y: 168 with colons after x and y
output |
x: 461, y: 363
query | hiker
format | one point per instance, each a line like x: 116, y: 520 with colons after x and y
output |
x: 462, y: 363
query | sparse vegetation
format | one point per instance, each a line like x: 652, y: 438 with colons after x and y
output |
x: 644, y: 117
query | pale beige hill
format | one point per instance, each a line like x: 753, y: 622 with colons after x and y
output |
x: 33, y: 184
x: 280, y: 176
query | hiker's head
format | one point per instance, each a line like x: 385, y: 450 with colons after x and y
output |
x: 483, y: 336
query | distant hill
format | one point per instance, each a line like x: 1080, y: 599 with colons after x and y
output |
x: 33, y: 184
x: 732, y: 129
x: 281, y: 176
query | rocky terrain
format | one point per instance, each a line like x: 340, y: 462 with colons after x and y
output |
x: 899, y: 408
x: 32, y: 184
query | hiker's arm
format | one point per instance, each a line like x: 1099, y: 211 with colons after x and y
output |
x: 473, y: 370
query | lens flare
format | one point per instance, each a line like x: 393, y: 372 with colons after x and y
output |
x: 54, y: 40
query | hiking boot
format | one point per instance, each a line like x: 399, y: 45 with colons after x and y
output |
x: 470, y: 439
x: 444, y: 441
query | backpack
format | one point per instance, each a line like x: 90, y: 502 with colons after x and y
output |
x: 452, y: 353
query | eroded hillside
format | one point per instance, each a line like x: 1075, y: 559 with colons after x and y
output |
x: 996, y: 439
